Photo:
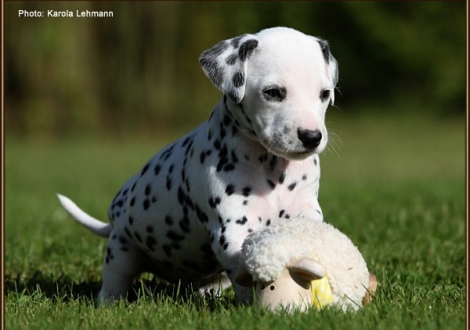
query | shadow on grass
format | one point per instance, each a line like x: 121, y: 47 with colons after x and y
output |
x: 65, y: 290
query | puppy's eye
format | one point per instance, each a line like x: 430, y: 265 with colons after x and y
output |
x: 274, y: 93
x: 324, y: 95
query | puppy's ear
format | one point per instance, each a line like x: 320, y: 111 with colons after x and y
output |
x: 331, y: 65
x: 226, y: 64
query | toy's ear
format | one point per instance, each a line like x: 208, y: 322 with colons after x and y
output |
x: 307, y: 269
x: 243, y: 278
x: 226, y: 64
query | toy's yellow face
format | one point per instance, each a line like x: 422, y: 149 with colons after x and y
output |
x: 301, y: 285
x: 321, y: 292
x: 291, y: 293
x: 284, y: 293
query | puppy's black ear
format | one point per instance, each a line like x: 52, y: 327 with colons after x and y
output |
x: 331, y: 64
x: 226, y: 64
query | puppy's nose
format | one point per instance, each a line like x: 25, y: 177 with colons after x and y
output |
x: 310, y: 138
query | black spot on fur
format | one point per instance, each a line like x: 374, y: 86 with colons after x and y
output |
x: 263, y: 158
x: 230, y: 189
x: 232, y: 59
x: 273, y: 163
x: 168, y: 220
x: 144, y: 170
x: 234, y: 157
x: 271, y: 184
x: 226, y: 120
x: 202, y: 157
x: 185, y: 142
x: 242, y: 221
x: 157, y: 169
x: 325, y: 49
x: 132, y: 202
x: 235, y: 42
x: 214, y: 201
x: 238, y: 79
x: 246, y: 191
x: 229, y: 167
x: 168, y: 183
x: 146, y: 204
x: 128, y: 232
x: 282, y: 178
x: 184, y: 225
x: 292, y: 186
x: 201, y: 215
x: 281, y: 213
x: 222, y: 240
x: 167, y: 153
x: 247, y: 48
x: 212, y: 69
x: 174, y: 236
x: 148, y: 190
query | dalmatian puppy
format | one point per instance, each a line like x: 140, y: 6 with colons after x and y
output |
x: 186, y: 213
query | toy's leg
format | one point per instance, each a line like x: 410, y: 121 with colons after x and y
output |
x: 371, y: 289
x: 121, y: 264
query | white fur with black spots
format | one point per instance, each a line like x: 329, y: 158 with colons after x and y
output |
x: 185, y: 215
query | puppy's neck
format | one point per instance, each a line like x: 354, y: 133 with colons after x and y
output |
x: 230, y: 128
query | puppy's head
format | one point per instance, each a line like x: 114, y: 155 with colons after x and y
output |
x: 279, y: 84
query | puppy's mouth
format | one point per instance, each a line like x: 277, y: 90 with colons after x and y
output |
x: 290, y: 154
x: 300, y: 155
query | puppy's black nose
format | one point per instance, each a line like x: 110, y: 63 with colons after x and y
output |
x: 310, y: 139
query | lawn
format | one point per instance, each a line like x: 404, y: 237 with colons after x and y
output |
x: 395, y: 186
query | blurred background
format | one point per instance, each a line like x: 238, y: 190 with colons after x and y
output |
x: 138, y: 72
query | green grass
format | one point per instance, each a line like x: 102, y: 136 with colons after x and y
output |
x: 395, y: 186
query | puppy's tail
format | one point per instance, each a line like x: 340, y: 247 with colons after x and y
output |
x: 94, y: 225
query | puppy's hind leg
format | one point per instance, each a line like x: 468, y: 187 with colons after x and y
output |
x: 122, y: 263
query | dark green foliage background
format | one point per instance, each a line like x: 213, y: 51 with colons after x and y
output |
x: 139, y: 71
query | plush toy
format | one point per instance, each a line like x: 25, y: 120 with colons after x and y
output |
x: 298, y: 263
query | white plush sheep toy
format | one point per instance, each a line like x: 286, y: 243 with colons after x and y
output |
x: 298, y: 263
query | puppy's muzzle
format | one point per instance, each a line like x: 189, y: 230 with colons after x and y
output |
x: 309, y: 138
